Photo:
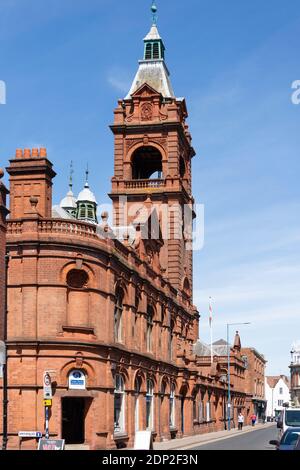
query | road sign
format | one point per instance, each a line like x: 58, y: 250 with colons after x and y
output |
x: 47, y: 385
x: 47, y: 402
x: 35, y: 434
x: 51, y: 444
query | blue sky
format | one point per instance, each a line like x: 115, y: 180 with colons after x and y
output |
x: 65, y: 65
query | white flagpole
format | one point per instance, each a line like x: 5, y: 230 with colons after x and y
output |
x: 211, y: 332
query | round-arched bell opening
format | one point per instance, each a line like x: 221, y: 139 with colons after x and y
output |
x: 147, y: 164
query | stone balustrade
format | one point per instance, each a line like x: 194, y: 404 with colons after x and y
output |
x: 68, y: 227
x: 53, y: 226
x: 145, y: 184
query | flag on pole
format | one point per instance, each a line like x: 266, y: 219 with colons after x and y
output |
x: 211, y: 334
x: 210, y: 312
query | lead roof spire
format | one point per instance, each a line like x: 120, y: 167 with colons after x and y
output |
x: 152, y: 68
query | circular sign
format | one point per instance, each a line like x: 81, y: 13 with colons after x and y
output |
x: 47, y: 380
x: 76, y: 374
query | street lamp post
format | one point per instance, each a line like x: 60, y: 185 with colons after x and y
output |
x: 228, y: 372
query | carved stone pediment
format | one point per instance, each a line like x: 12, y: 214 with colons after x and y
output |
x: 146, y: 91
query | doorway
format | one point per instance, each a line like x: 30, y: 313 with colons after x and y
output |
x: 73, y: 413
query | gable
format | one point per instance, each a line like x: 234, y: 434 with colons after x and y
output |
x: 145, y: 91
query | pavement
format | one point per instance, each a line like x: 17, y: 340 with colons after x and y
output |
x: 191, y: 442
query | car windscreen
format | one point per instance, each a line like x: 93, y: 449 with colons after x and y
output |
x: 290, y: 438
x: 292, y: 417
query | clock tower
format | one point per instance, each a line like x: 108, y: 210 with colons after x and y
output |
x: 152, y: 162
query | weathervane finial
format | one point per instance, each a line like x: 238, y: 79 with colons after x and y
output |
x: 154, y: 12
x: 87, y: 175
x: 71, y: 176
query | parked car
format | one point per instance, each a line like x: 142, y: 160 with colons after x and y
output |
x: 288, y: 440
x: 297, y: 446
x: 289, y: 417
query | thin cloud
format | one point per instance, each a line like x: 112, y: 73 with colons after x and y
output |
x: 119, y: 79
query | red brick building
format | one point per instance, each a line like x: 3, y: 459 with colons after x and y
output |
x: 3, y: 214
x: 112, y: 319
x: 3, y: 305
x: 255, y: 383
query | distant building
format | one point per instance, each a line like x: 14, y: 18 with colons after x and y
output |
x: 255, y: 383
x: 277, y: 393
x: 247, y: 375
x: 217, y: 373
x: 295, y: 373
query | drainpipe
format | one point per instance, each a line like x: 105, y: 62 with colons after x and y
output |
x: 5, y: 394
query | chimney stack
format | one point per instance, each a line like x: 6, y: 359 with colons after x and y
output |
x: 31, y: 175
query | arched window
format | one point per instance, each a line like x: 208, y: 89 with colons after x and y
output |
x: 182, y: 168
x: 77, y: 297
x: 208, y: 410
x: 149, y: 405
x: 201, y: 414
x: 119, y: 405
x: 118, y: 314
x: 137, y: 391
x: 172, y: 407
x: 171, y: 339
x: 150, y: 315
x: 186, y: 286
x: 182, y: 409
x: 146, y: 163
x: 195, y: 409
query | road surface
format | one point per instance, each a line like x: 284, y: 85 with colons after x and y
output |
x: 255, y: 440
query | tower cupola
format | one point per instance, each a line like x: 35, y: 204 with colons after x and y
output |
x: 154, y: 46
x: 87, y: 204
x: 152, y: 69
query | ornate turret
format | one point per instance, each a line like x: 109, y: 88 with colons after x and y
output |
x: 237, y: 342
x: 68, y: 203
x: 87, y: 204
